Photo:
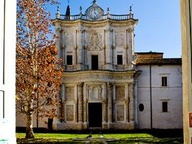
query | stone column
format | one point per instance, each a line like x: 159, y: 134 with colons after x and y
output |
x: 113, y: 104
x: 85, y: 93
x: 76, y: 103
x: 62, y: 103
x: 132, y: 103
x: 130, y: 51
x: 136, y: 100
x: 127, y: 101
x: 109, y: 95
x: 104, y: 110
x: 126, y: 53
x: 108, y: 46
x: 59, y: 34
x: 80, y: 102
x: 79, y: 47
x: 85, y: 111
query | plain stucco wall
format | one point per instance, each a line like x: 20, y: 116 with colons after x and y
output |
x: 157, y: 94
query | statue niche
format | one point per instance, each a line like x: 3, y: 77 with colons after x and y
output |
x: 95, y: 92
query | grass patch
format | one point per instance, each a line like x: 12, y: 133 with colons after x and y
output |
x: 109, y: 138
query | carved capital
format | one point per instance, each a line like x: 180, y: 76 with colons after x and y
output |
x: 80, y: 30
x: 80, y: 84
x: 130, y: 30
x: 108, y: 30
x: 109, y: 85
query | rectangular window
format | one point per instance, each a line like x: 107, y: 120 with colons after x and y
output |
x: 69, y: 60
x: 164, y: 106
x: 119, y: 59
x: 94, y: 62
x: 164, y: 81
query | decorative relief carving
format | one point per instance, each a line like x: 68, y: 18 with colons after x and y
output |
x: 120, y: 93
x: 94, y: 40
x: 69, y: 113
x: 95, y: 92
x: 119, y: 39
x: 120, y: 112
x: 69, y: 92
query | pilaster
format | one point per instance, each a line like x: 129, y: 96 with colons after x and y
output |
x: 113, y: 103
x: 60, y: 46
x: 80, y: 102
x: 127, y: 103
x: 85, y: 111
x: 109, y: 95
x: 130, y: 46
x: 62, y: 103
x: 85, y: 108
x: 79, y: 48
x: 104, y: 112
x: 108, y: 48
x: 132, y: 103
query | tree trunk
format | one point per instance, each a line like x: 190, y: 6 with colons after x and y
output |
x: 29, y: 126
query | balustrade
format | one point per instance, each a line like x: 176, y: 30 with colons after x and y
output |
x: 104, y: 17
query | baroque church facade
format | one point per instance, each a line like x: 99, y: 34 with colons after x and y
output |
x: 99, y: 78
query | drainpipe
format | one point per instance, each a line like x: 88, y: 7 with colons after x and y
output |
x: 150, y: 92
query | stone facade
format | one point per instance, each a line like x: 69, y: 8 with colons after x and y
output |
x: 98, y: 73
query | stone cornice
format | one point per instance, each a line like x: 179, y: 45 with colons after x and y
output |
x: 99, y: 23
x: 102, y: 76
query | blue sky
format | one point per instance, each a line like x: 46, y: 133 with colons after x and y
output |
x: 158, y: 29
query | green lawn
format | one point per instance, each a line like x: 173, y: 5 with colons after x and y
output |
x: 117, y: 138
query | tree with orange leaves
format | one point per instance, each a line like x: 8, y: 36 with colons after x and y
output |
x: 38, y: 71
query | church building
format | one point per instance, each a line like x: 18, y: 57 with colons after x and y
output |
x: 99, y: 78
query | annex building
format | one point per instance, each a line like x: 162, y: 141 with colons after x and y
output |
x: 106, y: 84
